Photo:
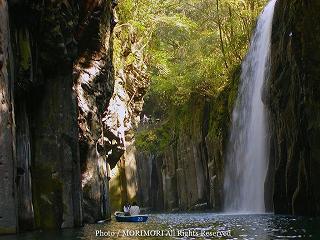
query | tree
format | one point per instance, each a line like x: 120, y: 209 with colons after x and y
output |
x: 190, y: 47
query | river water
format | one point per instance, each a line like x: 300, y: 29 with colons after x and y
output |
x: 196, y: 225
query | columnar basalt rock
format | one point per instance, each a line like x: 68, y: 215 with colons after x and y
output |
x: 8, y: 197
x: 294, y: 108
x: 151, y: 194
x: 122, y: 118
x: 120, y: 121
x: 47, y: 137
x: 24, y: 186
x: 188, y: 174
x: 55, y: 154
x: 56, y: 84
x: 94, y: 87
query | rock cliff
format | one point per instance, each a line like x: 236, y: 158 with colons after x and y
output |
x: 294, y: 108
x: 123, y: 115
x: 188, y: 173
x: 8, y: 211
x: 56, y: 82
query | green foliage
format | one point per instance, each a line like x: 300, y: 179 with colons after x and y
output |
x: 199, y: 60
x: 191, y: 49
x: 153, y: 140
x: 190, y: 46
x: 25, y: 51
x: 47, y: 197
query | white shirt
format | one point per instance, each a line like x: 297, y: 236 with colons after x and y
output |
x: 126, y: 209
x: 134, y: 210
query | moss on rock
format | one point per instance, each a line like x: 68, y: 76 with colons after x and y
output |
x: 47, y: 195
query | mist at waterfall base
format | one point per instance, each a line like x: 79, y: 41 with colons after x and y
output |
x: 247, y: 152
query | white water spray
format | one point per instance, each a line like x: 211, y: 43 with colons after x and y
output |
x: 247, y: 153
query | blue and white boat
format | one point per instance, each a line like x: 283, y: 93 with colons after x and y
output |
x: 120, y: 217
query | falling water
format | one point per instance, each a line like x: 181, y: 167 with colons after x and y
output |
x: 247, y: 156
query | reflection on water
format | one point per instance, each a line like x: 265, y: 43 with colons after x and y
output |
x: 241, y: 226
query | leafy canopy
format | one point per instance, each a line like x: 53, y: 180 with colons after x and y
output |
x: 190, y: 46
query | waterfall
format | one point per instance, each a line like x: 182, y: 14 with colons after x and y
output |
x: 247, y: 152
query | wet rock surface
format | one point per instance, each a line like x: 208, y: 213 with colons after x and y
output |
x: 57, y: 82
x: 294, y: 108
x: 122, y: 118
x: 8, y: 217
x: 188, y: 174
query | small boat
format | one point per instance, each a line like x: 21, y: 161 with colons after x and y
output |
x: 120, y: 217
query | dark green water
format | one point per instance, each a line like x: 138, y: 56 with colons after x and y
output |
x: 178, y: 226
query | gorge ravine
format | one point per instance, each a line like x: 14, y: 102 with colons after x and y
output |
x: 291, y: 103
x: 59, y: 69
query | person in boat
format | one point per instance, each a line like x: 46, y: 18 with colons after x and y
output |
x: 126, y: 209
x: 134, y: 209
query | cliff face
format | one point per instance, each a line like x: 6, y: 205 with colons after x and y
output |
x: 122, y: 118
x: 294, y: 107
x: 7, y: 164
x: 94, y: 80
x: 56, y: 83
x: 188, y: 174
